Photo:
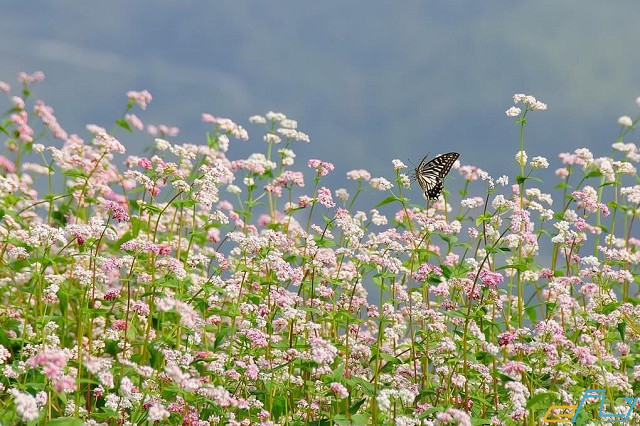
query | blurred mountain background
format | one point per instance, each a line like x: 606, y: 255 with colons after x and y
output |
x: 369, y: 82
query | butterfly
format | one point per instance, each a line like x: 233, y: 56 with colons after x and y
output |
x: 430, y: 174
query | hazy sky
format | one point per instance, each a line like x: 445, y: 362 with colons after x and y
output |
x: 368, y: 81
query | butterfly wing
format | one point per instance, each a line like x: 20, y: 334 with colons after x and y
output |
x: 440, y: 165
x: 430, y: 174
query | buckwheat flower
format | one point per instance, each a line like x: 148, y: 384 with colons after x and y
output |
x: 380, y: 184
x: 30, y: 78
x: 626, y: 121
x: 323, y: 168
x: 325, y: 198
x: 257, y: 119
x: 162, y: 144
x: 339, y: 390
x: 398, y: 165
x: 26, y: 406
x: 605, y: 166
x: 141, y: 98
x: 227, y: 125
x: 234, y: 189
x: 4, y: 87
x: 17, y: 102
x: 272, y: 137
x: 287, y: 156
x: 378, y: 219
x: 513, y: 112
x: 562, y: 172
x: 471, y: 173
x: 584, y: 155
x: 4, y: 354
x: 491, y: 279
x: 134, y: 121
x: 118, y: 212
x: 521, y: 158
x: 275, y: 116
x: 624, y: 167
x: 472, y: 203
x: 503, y: 180
x: 629, y: 149
x: 290, y: 178
x: 359, y: 174
x: 157, y: 413
x: 539, y: 163
x: 632, y: 193
x: 289, y: 124
x: 38, y: 147
x: 322, y: 351
x: 248, y: 181
x: 293, y: 134
x: 342, y: 194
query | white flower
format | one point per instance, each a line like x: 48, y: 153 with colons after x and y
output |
x: 162, y: 145
x: 521, y: 158
x: 272, y: 137
x: 513, y: 112
x: 503, y: 180
x: 257, y: 119
x: 233, y: 189
x: 398, y: 165
x: 539, y: 163
x: 380, y: 184
x: 289, y: 124
x: 26, y: 406
x: 530, y: 102
x: 626, y: 121
x: 275, y: 116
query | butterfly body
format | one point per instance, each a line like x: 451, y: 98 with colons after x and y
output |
x: 430, y: 174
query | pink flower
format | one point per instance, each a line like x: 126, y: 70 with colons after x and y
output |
x: 30, y: 78
x: 227, y: 126
x: 491, y: 279
x: 359, y: 174
x: 325, y: 198
x: 323, y: 168
x: 141, y: 98
x: 145, y: 163
x: 339, y: 390
x: 7, y: 165
x: 118, y: 212
x: 134, y: 121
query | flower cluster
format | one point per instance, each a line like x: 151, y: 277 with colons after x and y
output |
x: 187, y: 287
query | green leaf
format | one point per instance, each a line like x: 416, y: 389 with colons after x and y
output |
x: 532, y: 314
x: 446, y: 271
x: 609, y: 307
x: 213, y: 143
x: 613, y: 182
x: 389, y: 199
x: 622, y: 327
x: 542, y: 399
x: 123, y: 123
x: 365, y: 386
x: 520, y: 179
x: 593, y: 173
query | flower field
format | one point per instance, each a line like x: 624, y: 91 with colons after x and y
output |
x: 189, y: 287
